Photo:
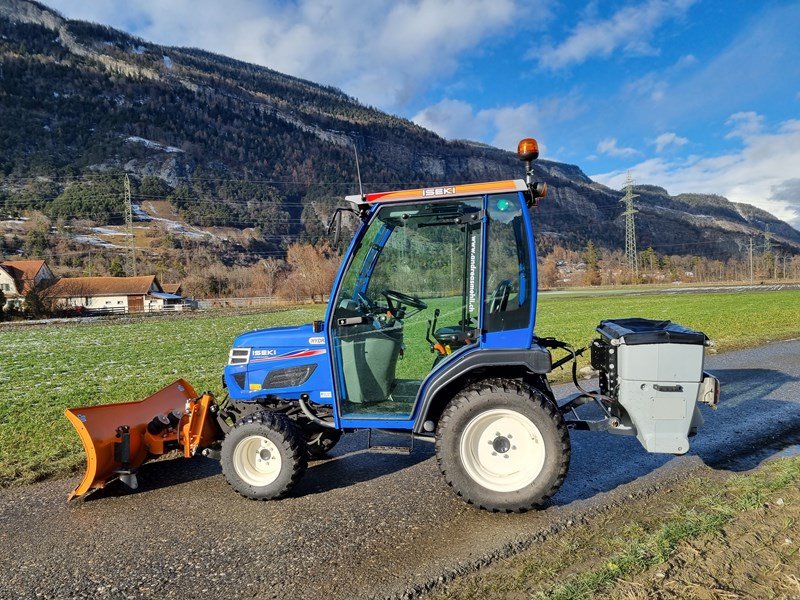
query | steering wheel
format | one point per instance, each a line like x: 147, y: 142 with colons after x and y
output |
x: 499, y: 298
x: 401, y: 298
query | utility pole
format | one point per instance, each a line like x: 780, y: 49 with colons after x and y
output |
x: 769, y: 259
x: 130, y: 267
x: 751, y: 259
x: 630, y: 227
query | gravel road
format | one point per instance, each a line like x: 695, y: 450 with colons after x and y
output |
x: 364, y: 524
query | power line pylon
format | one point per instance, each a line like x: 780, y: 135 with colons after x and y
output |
x: 130, y: 266
x: 767, y: 240
x: 630, y: 227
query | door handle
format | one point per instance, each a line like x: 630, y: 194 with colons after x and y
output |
x: 348, y: 321
x: 667, y: 388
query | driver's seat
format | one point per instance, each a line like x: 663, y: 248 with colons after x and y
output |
x: 453, y: 336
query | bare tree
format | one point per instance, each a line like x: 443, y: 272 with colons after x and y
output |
x: 312, y: 270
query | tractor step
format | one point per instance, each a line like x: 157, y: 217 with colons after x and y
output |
x: 391, y: 449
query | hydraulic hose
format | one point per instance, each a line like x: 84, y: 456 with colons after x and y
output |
x: 312, y: 417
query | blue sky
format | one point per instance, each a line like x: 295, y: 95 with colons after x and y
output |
x: 692, y: 95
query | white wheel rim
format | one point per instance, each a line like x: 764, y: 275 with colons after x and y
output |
x: 502, y: 450
x: 257, y: 460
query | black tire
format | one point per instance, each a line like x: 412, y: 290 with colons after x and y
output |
x: 319, y: 443
x: 460, y: 426
x: 276, y: 434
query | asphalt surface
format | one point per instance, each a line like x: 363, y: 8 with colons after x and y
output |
x: 364, y: 524
x: 685, y: 289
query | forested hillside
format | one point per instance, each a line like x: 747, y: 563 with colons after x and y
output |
x: 238, y: 146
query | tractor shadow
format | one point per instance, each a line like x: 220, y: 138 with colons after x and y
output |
x: 754, y: 421
x: 170, y: 471
x: 351, y: 463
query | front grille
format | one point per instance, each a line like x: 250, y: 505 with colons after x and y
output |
x: 239, y: 379
x: 239, y: 356
x: 290, y: 377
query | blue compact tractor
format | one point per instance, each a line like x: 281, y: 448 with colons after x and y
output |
x: 430, y: 331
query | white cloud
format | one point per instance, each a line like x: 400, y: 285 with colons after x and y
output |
x: 609, y: 146
x: 684, y: 61
x: 655, y: 85
x: 744, y: 124
x: 670, y: 138
x: 630, y: 28
x: 381, y: 51
x: 502, y: 126
x: 453, y: 119
x: 763, y: 172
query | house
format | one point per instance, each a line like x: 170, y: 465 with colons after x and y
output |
x: 173, y: 288
x: 18, y: 277
x: 113, y: 294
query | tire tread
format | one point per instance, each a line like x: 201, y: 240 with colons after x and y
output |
x: 291, y: 441
x: 472, y: 394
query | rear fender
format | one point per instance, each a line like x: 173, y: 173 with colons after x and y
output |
x: 437, y: 391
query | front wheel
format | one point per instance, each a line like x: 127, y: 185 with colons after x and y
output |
x: 503, y: 446
x: 263, y: 456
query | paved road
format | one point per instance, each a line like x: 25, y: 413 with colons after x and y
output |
x: 684, y: 289
x: 362, y: 524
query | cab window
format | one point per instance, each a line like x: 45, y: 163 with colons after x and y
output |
x: 508, y: 270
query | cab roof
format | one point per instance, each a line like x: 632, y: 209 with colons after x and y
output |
x: 442, y: 192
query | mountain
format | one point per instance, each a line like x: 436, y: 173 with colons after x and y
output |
x: 231, y: 144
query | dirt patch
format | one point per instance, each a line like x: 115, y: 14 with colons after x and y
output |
x: 578, y: 550
x: 716, y: 535
x: 757, y: 555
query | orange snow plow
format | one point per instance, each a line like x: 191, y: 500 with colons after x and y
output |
x: 118, y: 438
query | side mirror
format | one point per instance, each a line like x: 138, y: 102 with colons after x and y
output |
x: 337, y: 232
x: 335, y: 225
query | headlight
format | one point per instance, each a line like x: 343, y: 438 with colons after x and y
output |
x: 239, y: 356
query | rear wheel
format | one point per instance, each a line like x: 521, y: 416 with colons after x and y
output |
x: 503, y: 446
x: 263, y: 456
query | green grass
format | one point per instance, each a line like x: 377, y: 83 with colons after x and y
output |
x: 44, y: 370
x: 731, y: 320
x: 708, y: 515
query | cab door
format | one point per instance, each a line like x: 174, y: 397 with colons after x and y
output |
x: 409, y: 299
x: 510, y: 300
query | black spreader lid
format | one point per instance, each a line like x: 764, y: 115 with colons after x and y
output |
x: 635, y: 330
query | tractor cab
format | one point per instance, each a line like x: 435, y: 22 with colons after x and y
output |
x: 430, y: 277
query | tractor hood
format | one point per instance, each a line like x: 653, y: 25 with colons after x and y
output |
x: 298, y: 336
x: 279, y: 361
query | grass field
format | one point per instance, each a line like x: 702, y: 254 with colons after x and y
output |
x: 44, y: 370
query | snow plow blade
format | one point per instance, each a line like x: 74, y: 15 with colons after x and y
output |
x: 118, y: 438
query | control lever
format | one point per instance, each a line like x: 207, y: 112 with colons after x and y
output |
x: 431, y: 328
